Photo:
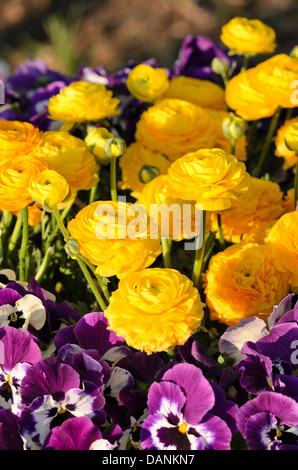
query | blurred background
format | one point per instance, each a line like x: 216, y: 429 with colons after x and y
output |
x: 107, y: 33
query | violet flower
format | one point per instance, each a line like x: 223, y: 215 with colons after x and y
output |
x: 77, y: 434
x: 195, y: 57
x: 14, y: 364
x: 52, y: 392
x: 10, y: 438
x: 181, y: 417
x: 269, y: 422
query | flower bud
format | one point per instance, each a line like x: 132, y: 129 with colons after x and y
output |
x: 291, y: 137
x: 49, y: 189
x: 72, y: 248
x: 220, y: 66
x: 96, y: 139
x: 233, y: 126
x: 294, y: 52
x: 148, y: 173
x: 114, y: 147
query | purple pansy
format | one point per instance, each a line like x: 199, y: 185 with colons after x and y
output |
x: 43, y: 306
x: 53, y: 392
x: 180, y: 410
x: 77, y: 434
x: 269, y: 422
x: 33, y: 74
x: 14, y: 364
x: 195, y: 57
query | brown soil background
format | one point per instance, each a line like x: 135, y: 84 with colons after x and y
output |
x: 110, y: 32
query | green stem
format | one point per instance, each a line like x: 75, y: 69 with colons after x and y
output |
x: 245, y: 62
x: 100, y: 281
x: 221, y: 237
x: 259, y: 168
x: 289, y: 114
x: 15, y: 234
x: 166, y: 252
x: 43, y: 267
x: 54, y: 233
x: 24, y: 244
x: 199, y: 255
x: 60, y: 223
x: 113, y: 180
x: 92, y: 195
x: 91, y: 283
x: 233, y: 146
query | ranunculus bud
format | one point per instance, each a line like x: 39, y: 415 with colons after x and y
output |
x: 148, y: 173
x: 220, y: 66
x: 114, y: 147
x: 72, y: 248
x: 233, y: 126
x: 291, y: 137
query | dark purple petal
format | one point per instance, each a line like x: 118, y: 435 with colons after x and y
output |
x: 74, y: 434
x: 261, y: 430
x: 48, y: 377
x: 64, y: 337
x: 92, y: 333
x: 10, y: 438
x: 277, y: 345
x: 284, y: 408
x: 9, y: 296
x: 27, y: 349
x: 142, y: 366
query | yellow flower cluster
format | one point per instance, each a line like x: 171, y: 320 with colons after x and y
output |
x: 243, y: 281
x: 210, y: 177
x: 146, y: 83
x: 109, y: 238
x: 155, y: 309
x: 26, y: 152
x: 257, y: 92
x: 245, y: 36
x: 82, y: 101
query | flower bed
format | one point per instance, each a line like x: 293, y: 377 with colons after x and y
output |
x: 149, y: 252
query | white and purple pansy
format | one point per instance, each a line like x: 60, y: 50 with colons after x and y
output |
x: 181, y: 417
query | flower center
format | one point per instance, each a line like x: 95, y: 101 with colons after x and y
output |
x: 183, y: 428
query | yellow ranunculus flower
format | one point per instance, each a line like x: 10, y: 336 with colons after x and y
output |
x: 95, y: 140
x: 132, y: 162
x: 282, y: 240
x: 243, y: 281
x: 146, y: 83
x: 176, y: 218
x: 109, y: 236
x: 48, y: 188
x: 83, y: 101
x: 15, y: 174
x: 200, y: 92
x: 253, y: 213
x: 275, y: 76
x: 155, y: 309
x: 69, y: 156
x: 17, y: 138
x: 210, y: 177
x: 281, y: 149
x: 248, y: 102
x: 174, y: 127
x: 245, y: 36
x: 291, y: 136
